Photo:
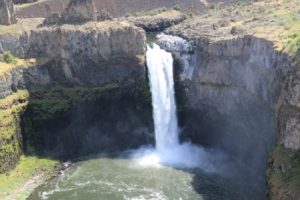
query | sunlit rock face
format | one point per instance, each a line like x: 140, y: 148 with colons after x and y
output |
x: 92, y: 54
x: 97, y: 56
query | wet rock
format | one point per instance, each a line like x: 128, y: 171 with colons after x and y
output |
x: 7, y: 13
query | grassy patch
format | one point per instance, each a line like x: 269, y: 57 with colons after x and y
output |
x: 9, y: 58
x: 29, y: 173
x: 6, y: 67
x: 10, y: 147
x: 292, y: 43
x: 20, y: 27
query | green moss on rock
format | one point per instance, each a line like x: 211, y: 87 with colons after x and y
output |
x: 11, y: 108
x: 284, y: 174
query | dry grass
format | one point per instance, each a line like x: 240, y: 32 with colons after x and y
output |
x: 24, y: 63
x: 271, y: 20
x: 20, y: 27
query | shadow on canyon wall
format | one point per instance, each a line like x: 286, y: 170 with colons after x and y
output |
x: 65, y: 122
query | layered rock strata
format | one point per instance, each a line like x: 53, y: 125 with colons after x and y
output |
x: 105, y: 55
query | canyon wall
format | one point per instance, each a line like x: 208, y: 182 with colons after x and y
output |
x: 241, y: 95
x: 228, y: 93
x: 80, y: 75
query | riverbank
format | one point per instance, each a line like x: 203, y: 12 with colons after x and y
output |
x: 29, y: 174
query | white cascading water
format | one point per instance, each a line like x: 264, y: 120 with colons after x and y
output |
x: 167, y: 150
x: 160, y: 70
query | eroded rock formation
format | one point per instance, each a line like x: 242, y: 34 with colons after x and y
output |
x: 7, y: 13
x: 78, y: 11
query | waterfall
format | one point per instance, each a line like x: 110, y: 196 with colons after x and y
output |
x: 167, y: 150
x: 160, y: 70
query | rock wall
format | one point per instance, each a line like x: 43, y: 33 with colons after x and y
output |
x: 7, y: 13
x: 289, y: 115
x: 80, y: 11
x: 228, y: 93
x: 91, y: 57
x: 92, y: 54
x: 11, y: 109
x: 70, y: 122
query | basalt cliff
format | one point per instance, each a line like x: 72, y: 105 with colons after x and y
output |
x: 237, y: 86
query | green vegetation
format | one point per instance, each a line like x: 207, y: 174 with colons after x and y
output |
x: 9, y: 58
x: 293, y: 43
x: 191, y: 50
x: 284, y: 175
x: 176, y: 7
x: 128, y: 14
x: 142, y: 90
x: 29, y: 174
x: 10, y: 109
x: 51, y: 105
x: 55, y: 102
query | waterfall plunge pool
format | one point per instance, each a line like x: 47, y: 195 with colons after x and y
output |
x: 125, y: 178
x: 169, y: 171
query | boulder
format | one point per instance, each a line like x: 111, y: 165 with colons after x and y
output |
x: 7, y: 13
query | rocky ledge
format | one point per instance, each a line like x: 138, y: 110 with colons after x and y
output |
x: 158, y: 22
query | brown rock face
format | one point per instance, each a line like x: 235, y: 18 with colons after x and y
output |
x: 80, y: 11
x: 7, y: 13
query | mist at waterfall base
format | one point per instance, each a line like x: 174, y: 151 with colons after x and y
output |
x: 168, y: 151
x: 170, y: 170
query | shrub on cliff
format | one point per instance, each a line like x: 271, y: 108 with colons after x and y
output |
x: 293, y: 43
x: 9, y: 58
x: 176, y: 7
